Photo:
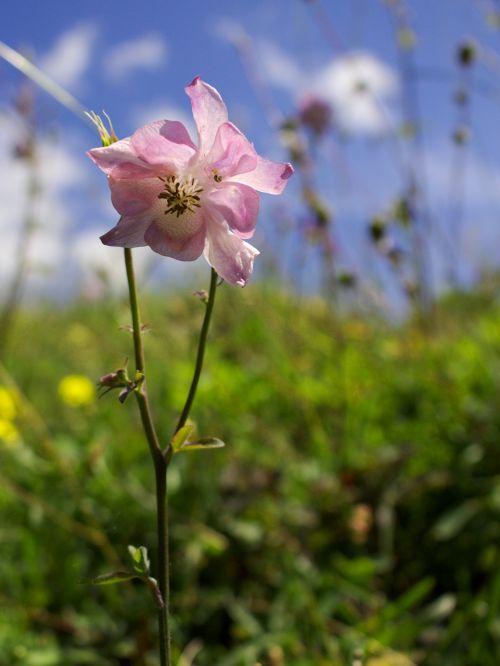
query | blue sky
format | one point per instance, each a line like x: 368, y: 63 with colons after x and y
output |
x: 134, y: 58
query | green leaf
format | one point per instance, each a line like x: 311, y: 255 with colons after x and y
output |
x: 140, y: 559
x: 453, y: 522
x: 181, y: 437
x: 125, y: 576
x: 112, y: 578
x: 204, y: 443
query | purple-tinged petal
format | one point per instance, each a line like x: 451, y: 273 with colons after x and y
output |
x: 209, y: 112
x: 231, y: 257
x: 238, y: 205
x: 129, y: 232
x: 164, y: 143
x: 231, y: 153
x: 269, y: 177
x: 120, y: 160
x: 178, y: 246
x: 133, y: 197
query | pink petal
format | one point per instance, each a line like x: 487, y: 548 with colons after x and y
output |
x: 270, y: 177
x: 231, y: 257
x: 164, y: 143
x: 231, y: 153
x: 209, y: 112
x: 120, y: 160
x: 129, y: 232
x: 238, y: 205
x: 182, y: 247
x: 133, y: 197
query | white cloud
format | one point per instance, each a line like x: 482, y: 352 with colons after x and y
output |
x: 145, y: 52
x: 100, y: 268
x: 57, y: 172
x: 359, y: 86
x: 70, y: 57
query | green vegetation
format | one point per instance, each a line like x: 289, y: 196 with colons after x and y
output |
x: 351, y: 518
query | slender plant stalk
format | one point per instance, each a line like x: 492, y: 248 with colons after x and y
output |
x: 161, y: 459
x: 160, y: 464
x: 201, y: 351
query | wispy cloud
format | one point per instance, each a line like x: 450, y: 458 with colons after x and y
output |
x: 70, y: 57
x: 281, y: 69
x: 228, y: 30
x: 146, y: 52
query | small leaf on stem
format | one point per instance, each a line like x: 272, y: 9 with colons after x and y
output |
x: 111, y: 578
x: 204, y: 443
x: 181, y: 437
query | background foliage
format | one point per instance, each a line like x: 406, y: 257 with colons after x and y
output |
x: 351, y: 519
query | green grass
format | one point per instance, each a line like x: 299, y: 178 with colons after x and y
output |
x: 352, y: 515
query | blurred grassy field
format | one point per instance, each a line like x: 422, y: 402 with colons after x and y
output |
x: 351, y: 519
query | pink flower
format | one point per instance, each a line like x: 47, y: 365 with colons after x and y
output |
x: 182, y: 199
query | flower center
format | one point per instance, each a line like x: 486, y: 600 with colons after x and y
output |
x: 181, y: 195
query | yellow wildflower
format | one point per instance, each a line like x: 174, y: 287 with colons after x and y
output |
x: 8, y: 432
x: 8, y: 408
x: 76, y: 390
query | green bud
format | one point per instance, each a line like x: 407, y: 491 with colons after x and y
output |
x: 377, y: 228
x: 407, y: 38
x: 346, y: 279
x: 466, y: 54
x: 402, y: 212
x: 461, y: 136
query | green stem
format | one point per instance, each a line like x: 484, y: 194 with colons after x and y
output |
x: 160, y: 464
x: 201, y: 351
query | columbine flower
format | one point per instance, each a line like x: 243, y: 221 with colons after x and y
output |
x: 182, y: 199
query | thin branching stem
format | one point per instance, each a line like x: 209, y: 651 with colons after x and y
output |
x: 160, y: 464
x: 201, y: 351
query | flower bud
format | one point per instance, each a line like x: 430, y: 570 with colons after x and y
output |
x: 315, y: 114
x: 115, y: 379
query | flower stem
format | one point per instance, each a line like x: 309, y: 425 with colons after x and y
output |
x: 201, y: 351
x: 160, y: 465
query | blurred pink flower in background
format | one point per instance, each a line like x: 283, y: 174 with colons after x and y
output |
x: 184, y: 200
x: 315, y: 114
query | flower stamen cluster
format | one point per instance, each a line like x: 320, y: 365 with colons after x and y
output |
x: 181, y: 195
